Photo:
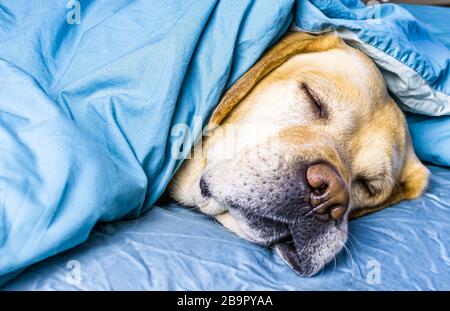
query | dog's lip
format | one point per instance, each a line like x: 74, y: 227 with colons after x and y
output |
x: 204, y: 188
x: 290, y: 256
x: 299, y: 261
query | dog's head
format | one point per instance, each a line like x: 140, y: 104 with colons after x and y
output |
x: 308, y: 138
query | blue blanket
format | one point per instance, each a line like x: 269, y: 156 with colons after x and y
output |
x: 88, y: 96
x: 94, y: 98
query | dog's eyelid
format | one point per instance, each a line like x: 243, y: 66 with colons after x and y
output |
x: 367, y: 184
x: 315, y: 100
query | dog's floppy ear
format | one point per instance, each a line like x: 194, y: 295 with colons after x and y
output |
x: 293, y: 43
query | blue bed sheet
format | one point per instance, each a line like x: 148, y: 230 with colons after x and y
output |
x: 173, y: 248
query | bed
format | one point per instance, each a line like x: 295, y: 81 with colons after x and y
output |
x: 406, y: 247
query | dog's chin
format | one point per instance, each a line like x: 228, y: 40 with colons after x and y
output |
x: 309, y: 259
x: 306, y: 258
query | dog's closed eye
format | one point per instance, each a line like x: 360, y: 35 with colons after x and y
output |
x: 315, y: 101
x: 373, y: 186
x: 365, y: 184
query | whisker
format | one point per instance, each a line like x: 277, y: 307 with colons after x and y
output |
x: 313, y: 210
x: 354, y: 237
x: 351, y: 258
x: 350, y: 236
x: 322, y: 270
x: 188, y: 209
x: 301, y: 252
x: 353, y: 245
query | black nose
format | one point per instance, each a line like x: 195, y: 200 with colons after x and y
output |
x: 329, y: 193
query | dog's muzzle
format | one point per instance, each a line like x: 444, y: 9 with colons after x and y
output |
x: 300, y: 212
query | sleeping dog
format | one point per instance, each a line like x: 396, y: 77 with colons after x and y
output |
x: 307, y: 139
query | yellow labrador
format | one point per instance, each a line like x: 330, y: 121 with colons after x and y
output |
x: 305, y: 140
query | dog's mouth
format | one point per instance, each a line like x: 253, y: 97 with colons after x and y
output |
x: 300, y: 212
x: 306, y: 243
x: 308, y: 257
x: 303, y: 262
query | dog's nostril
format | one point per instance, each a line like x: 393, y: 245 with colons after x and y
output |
x: 322, y: 186
x: 321, y: 189
x: 329, y: 196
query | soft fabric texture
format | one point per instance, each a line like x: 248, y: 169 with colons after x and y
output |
x: 431, y: 136
x: 416, y: 66
x: 88, y: 110
x: 405, y: 247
